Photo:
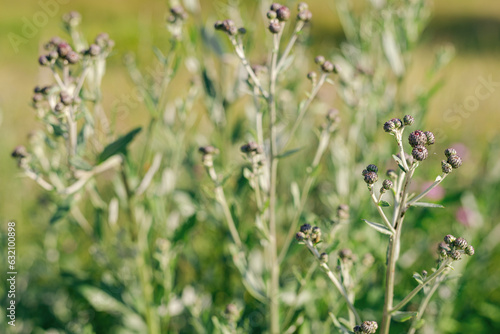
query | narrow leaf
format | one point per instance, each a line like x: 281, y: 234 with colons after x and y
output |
x: 403, y: 316
x: 61, y: 212
x: 379, y: 227
x: 418, y: 278
x: 181, y: 232
x: 427, y: 205
x: 118, y: 146
x: 288, y: 153
x: 383, y: 204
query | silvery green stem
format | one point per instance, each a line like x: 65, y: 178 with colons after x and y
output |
x: 38, y: 179
x: 288, y: 48
x: 381, y: 212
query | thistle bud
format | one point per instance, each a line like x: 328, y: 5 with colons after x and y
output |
x: 430, y: 138
x: 274, y: 26
x: 323, y: 258
x: 397, y: 122
x: 455, y: 161
x: 304, y: 16
x: 300, y: 236
x: 417, y: 138
x: 311, y: 76
x: 371, y: 177
x: 316, y: 235
x: 72, y: 57
x: 66, y: 98
x: 408, y: 120
x: 420, y: 153
x: 460, y: 243
x: 327, y: 67
x: 251, y: 147
x: 37, y: 98
x: 469, y: 250
x: 449, y: 152
x: 242, y: 30
x: 72, y: 19
x: 387, y: 184
x: 369, y: 327
x: 43, y: 60
x: 63, y: 49
x: 346, y: 254
x: 59, y: 107
x: 93, y: 50
x: 446, y: 167
x: 372, y: 168
x: 319, y: 60
x: 19, y: 152
x: 389, y: 126
x: 449, y: 239
x: 301, y: 6
x: 271, y: 15
x: 306, y: 229
x: 455, y: 255
x: 210, y: 150
x: 219, y: 25
x: 283, y: 13
x: 275, y: 6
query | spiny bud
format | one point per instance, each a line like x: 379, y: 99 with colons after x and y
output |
x: 63, y: 49
x: 455, y: 161
x: 449, y: 152
x: 408, y: 120
x: 319, y: 60
x: 371, y: 177
x: 72, y: 57
x: 449, y: 239
x: 300, y: 236
x: 455, y: 255
x: 37, y: 98
x: 271, y: 15
x: 469, y: 250
x: 275, y: 6
x: 387, y: 184
x: 306, y: 229
x: 460, y: 243
x: 443, y: 253
x: 274, y: 26
x: 419, y: 153
x: 304, y: 15
x: 283, y: 13
x: 327, y: 67
x: 389, y: 126
x: 430, y: 138
x: 446, y: 167
x: 93, y: 50
x: 369, y: 327
x: 417, y: 138
x: 397, y: 122
x: 323, y: 258
x: 372, y: 168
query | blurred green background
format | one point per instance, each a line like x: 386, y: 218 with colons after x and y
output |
x: 471, y: 27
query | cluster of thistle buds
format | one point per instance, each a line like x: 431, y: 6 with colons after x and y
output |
x: 453, y: 248
x: 453, y: 161
x: 253, y: 152
x: 332, y: 120
x: 325, y: 65
x: 278, y: 14
x: 367, y: 327
x: 370, y: 177
x: 207, y: 155
x: 307, y: 232
x: 229, y: 27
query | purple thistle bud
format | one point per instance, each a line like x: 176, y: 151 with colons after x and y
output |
x: 449, y: 152
x: 449, y: 239
x: 19, y: 152
x: 372, y: 168
x: 430, y: 138
x: 66, y: 98
x: 455, y: 255
x: 283, y: 13
x: 43, y: 60
x: 300, y: 236
x: 417, y: 138
x: 397, y: 122
x: 369, y: 327
x: 274, y: 26
x: 327, y: 67
x: 446, y: 167
x: 469, y: 250
x: 371, y: 177
x: 306, y: 228
x: 323, y: 258
x: 460, y: 243
x: 455, y: 161
x: 419, y: 153
x: 63, y: 49
x: 387, y: 184
x: 275, y: 6
x: 251, y: 147
x: 389, y: 126
x: 408, y: 120
x: 37, y: 98
x: 72, y: 57
x: 208, y: 150
x: 319, y: 60
x: 93, y: 50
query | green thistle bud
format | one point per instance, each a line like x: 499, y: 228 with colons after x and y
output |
x: 371, y: 177
x: 455, y: 255
x: 449, y: 152
x: 449, y: 239
x: 389, y: 126
x: 460, y: 243
x: 446, y: 167
x: 420, y: 153
x: 455, y: 161
x: 408, y: 120
x: 323, y: 258
x: 417, y: 138
x: 430, y: 138
x: 387, y: 184
x: 369, y: 327
x: 469, y: 250
x: 372, y: 168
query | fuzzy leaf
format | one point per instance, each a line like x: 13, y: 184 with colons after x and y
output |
x: 403, y: 316
x: 383, y: 204
x: 118, y: 146
x: 427, y: 205
x: 379, y: 227
x: 418, y: 278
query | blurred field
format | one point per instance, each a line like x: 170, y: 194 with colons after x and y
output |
x: 472, y: 27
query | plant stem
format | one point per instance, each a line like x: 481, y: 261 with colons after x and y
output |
x: 274, y: 264
x: 288, y: 48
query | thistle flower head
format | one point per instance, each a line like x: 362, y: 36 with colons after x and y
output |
x: 372, y: 168
x: 419, y: 153
x: 455, y: 161
x: 408, y: 120
x: 283, y: 13
x: 387, y: 184
x: 306, y: 229
x: 469, y: 250
x: 371, y: 178
x: 417, y: 138
x: 430, y: 138
x: 455, y: 255
x: 327, y: 67
x: 389, y: 126
x: 369, y: 327
x: 449, y: 239
x: 449, y: 152
x: 446, y: 167
x: 397, y: 122
x: 274, y: 26
x: 460, y: 243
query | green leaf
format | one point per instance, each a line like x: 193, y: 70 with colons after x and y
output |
x: 427, y: 205
x: 418, y: 278
x: 159, y: 55
x: 383, y: 204
x: 289, y: 153
x: 403, y: 316
x: 118, y: 146
x: 379, y: 227
x: 182, y: 231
